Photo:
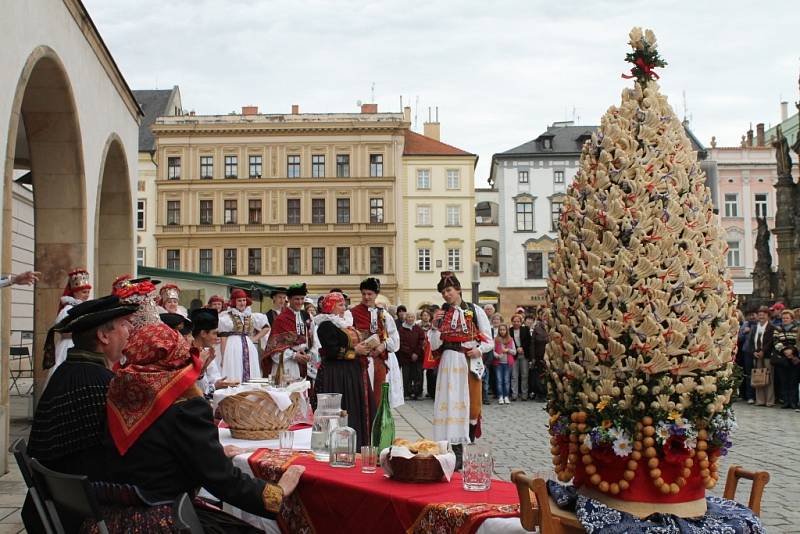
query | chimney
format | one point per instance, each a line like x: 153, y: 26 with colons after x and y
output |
x: 750, y: 135
x: 407, y: 113
x: 249, y: 110
x: 760, y: 134
x: 295, y: 109
x: 369, y: 108
x: 432, y: 128
x: 784, y: 110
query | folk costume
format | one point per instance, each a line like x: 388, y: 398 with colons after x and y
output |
x: 342, y: 370
x: 290, y: 335
x: 207, y: 319
x: 240, y: 355
x: 161, y: 434
x: 69, y: 423
x: 375, y: 321
x: 77, y: 280
x: 457, y: 406
x: 170, y: 292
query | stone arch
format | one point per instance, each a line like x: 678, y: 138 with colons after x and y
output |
x: 487, y: 253
x: 113, y: 254
x: 44, y: 127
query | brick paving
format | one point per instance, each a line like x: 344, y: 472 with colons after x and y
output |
x: 518, y: 438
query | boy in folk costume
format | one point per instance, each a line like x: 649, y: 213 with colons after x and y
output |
x: 369, y: 319
x: 288, y: 353
x: 460, y: 335
x: 76, y: 291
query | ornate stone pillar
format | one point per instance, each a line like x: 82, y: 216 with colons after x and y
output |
x: 785, y: 232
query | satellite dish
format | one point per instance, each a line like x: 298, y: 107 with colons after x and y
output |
x: 358, y: 103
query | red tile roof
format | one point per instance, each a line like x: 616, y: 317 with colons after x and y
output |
x: 419, y: 145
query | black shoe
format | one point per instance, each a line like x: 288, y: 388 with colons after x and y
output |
x: 786, y: 407
x: 486, y: 402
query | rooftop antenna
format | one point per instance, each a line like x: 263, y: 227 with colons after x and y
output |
x: 372, y: 93
x: 401, y: 103
x: 437, y: 114
x: 416, y: 109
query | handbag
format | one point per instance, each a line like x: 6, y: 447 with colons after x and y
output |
x: 759, y: 377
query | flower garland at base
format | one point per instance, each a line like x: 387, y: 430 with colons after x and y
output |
x: 636, y: 470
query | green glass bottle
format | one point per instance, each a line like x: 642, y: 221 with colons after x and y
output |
x: 383, y: 424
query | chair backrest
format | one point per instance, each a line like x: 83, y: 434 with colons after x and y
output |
x: 185, y: 516
x: 534, y: 504
x: 20, y: 451
x: 17, y: 353
x: 759, y: 479
x: 71, y: 493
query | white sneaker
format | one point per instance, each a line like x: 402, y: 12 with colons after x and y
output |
x: 500, y: 401
x: 505, y: 400
x: 750, y: 401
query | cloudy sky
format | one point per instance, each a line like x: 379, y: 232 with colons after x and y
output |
x: 499, y: 71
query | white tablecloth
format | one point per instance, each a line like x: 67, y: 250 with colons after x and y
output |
x: 302, y: 441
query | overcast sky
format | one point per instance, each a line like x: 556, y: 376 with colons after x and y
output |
x: 499, y: 71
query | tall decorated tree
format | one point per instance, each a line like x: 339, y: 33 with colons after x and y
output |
x: 640, y: 358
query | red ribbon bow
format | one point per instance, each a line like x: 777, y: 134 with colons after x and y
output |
x: 647, y: 69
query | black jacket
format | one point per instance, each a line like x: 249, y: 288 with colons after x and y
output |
x: 525, y: 341
x: 767, y: 342
x: 180, y: 452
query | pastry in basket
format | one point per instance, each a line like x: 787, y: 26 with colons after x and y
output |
x: 400, y: 442
x: 426, y: 446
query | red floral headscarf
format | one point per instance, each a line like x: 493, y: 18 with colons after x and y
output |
x: 160, y: 367
x: 329, y: 301
x: 238, y: 294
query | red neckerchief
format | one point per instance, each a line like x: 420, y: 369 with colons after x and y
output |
x: 160, y: 366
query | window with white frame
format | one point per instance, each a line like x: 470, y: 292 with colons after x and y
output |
x: 453, y: 179
x: 141, y: 218
x: 731, y: 205
x: 231, y: 166
x: 558, y: 177
x: 454, y: 259
x: 174, y: 168
x: 423, y: 179
x: 453, y: 215
x: 733, y: 257
x: 375, y: 210
x: 556, y: 207
x: 524, y: 215
x: 206, y: 167
x: 760, y: 201
x: 523, y: 177
x: 423, y: 215
x: 423, y: 259
x: 140, y: 256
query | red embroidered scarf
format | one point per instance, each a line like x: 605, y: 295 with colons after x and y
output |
x: 160, y: 366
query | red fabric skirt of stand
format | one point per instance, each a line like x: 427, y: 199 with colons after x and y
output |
x: 347, y: 501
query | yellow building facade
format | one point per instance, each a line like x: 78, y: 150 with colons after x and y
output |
x: 281, y: 198
x: 437, y: 206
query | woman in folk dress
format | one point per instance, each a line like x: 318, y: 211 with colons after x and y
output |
x: 241, y: 329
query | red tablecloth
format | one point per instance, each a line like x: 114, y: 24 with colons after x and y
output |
x: 336, y: 500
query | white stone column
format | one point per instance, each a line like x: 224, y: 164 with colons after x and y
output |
x: 747, y: 206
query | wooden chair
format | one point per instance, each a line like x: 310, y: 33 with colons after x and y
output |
x: 536, y: 510
x: 23, y: 368
x: 759, y: 479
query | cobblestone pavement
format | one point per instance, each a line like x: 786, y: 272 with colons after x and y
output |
x: 767, y: 439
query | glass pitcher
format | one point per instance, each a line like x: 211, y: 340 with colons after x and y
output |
x: 326, y: 418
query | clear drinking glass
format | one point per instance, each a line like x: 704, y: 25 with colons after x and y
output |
x: 476, y: 472
x: 286, y: 441
x: 369, y: 459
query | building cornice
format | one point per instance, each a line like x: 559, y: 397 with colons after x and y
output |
x: 92, y: 35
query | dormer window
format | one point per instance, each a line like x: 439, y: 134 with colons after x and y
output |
x: 547, y: 143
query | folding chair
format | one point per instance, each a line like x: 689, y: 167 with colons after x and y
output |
x: 20, y: 355
x: 20, y: 451
x: 71, y: 493
x: 759, y: 479
x: 185, y: 516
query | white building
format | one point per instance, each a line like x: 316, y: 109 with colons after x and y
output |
x: 531, y: 181
x: 154, y: 103
x: 487, y: 243
x: 69, y: 117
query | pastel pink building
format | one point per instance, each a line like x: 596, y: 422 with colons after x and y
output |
x: 745, y: 191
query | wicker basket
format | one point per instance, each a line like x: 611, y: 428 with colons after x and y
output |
x: 254, y: 415
x: 420, y: 468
